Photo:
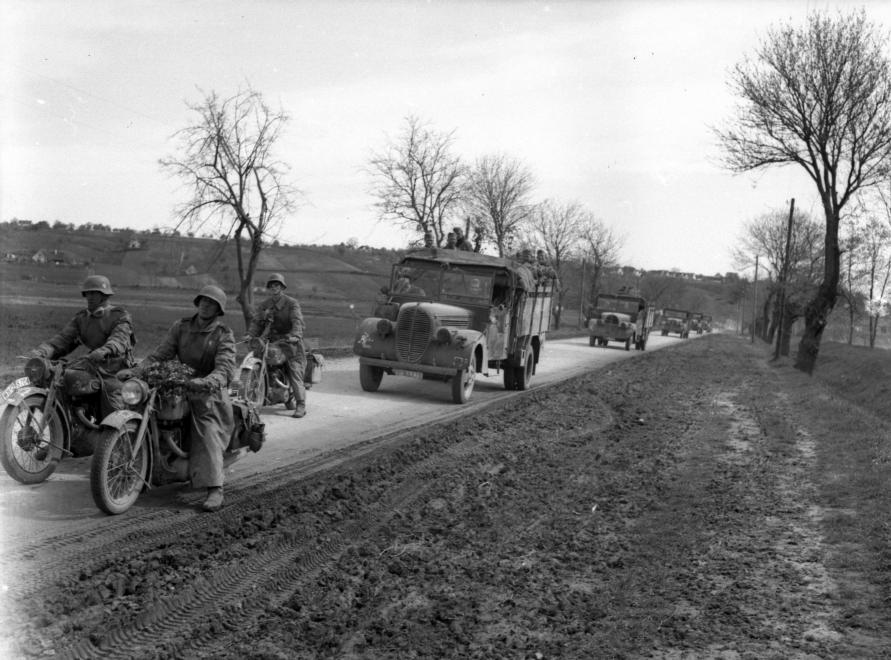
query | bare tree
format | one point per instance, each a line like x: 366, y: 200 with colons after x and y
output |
x: 600, y: 248
x: 873, y: 255
x: 817, y: 96
x: 789, y: 284
x: 237, y: 185
x: 498, y: 191
x: 557, y: 228
x: 417, y: 180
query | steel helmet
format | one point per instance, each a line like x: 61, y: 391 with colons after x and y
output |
x: 98, y: 283
x: 214, y: 293
x: 276, y: 277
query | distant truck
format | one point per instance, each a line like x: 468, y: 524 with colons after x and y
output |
x: 622, y: 318
x: 450, y: 315
x: 675, y: 321
x: 696, y: 322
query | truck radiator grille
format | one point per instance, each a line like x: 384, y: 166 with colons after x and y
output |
x: 412, y: 334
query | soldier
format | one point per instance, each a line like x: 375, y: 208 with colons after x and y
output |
x: 204, y: 343
x: 106, y: 330
x: 461, y: 243
x: 450, y: 241
x: 282, y: 317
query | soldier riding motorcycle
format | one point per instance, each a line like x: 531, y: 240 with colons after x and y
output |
x: 56, y: 409
x: 149, y: 443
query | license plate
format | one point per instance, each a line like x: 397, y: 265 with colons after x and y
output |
x: 12, y: 387
x: 410, y: 374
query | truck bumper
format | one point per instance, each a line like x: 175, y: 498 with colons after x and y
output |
x: 458, y: 362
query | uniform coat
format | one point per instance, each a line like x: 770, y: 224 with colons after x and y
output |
x: 210, y: 351
x: 284, y: 319
x: 108, y: 327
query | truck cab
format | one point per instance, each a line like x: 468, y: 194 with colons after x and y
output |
x: 675, y: 321
x: 453, y: 315
x: 621, y: 318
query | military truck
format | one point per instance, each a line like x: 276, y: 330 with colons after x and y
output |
x: 696, y: 322
x: 675, y: 321
x: 451, y: 315
x: 622, y: 318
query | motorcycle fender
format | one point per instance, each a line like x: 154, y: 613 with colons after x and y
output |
x: 118, y: 418
x: 249, y: 361
x: 23, y: 393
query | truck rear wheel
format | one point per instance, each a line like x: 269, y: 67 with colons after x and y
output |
x: 524, y: 374
x: 628, y: 344
x: 370, y: 377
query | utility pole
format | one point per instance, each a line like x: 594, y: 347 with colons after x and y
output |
x: 780, y: 329
x: 754, y: 299
x: 582, y: 296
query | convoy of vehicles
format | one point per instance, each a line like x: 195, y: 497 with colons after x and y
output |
x: 451, y: 315
x: 622, y: 318
x: 675, y: 321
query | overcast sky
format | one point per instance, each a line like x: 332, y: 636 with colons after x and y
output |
x: 610, y: 104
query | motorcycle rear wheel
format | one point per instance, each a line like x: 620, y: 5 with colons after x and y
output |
x: 118, y: 473
x: 30, y: 460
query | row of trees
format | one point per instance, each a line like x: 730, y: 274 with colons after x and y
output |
x: 816, y: 96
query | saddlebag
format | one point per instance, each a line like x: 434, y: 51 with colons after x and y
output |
x: 249, y: 431
x: 313, y: 373
x: 79, y: 382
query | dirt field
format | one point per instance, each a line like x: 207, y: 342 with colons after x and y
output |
x: 700, y: 503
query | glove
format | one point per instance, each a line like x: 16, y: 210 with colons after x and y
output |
x: 126, y: 374
x: 247, y: 338
x: 97, y: 354
x: 293, y: 339
x: 34, y: 353
x: 198, y: 385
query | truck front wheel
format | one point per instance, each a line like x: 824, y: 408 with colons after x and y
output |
x: 524, y: 374
x: 370, y: 377
x: 462, y: 383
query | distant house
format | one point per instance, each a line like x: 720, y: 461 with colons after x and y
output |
x: 134, y: 244
x: 39, y: 257
x: 191, y: 270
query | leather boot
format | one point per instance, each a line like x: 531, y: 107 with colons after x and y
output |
x: 214, y: 501
x: 300, y: 410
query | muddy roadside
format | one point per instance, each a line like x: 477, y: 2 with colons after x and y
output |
x: 699, y: 501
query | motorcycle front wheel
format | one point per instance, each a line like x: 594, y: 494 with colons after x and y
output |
x: 253, y: 386
x: 119, y: 469
x: 27, y: 455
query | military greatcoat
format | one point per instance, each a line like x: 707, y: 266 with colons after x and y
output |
x: 210, y: 351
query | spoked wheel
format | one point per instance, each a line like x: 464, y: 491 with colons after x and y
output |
x: 253, y: 385
x: 462, y: 383
x: 28, y: 455
x: 370, y: 377
x: 119, y: 469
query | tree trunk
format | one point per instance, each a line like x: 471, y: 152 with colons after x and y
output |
x: 816, y: 314
x: 785, y: 339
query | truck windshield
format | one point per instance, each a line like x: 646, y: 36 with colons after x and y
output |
x: 613, y: 305
x: 466, y: 287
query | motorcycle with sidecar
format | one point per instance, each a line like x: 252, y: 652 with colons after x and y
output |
x: 148, y: 443
x: 52, y: 412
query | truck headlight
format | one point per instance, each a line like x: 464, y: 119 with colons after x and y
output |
x: 384, y: 327
x: 444, y: 336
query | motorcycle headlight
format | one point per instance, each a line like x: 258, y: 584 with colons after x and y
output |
x: 37, y: 370
x: 134, y: 392
x: 384, y: 327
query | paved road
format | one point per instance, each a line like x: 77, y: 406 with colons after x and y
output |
x: 339, y: 414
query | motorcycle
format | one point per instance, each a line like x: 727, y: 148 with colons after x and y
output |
x: 147, y: 444
x: 263, y: 375
x: 52, y: 412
